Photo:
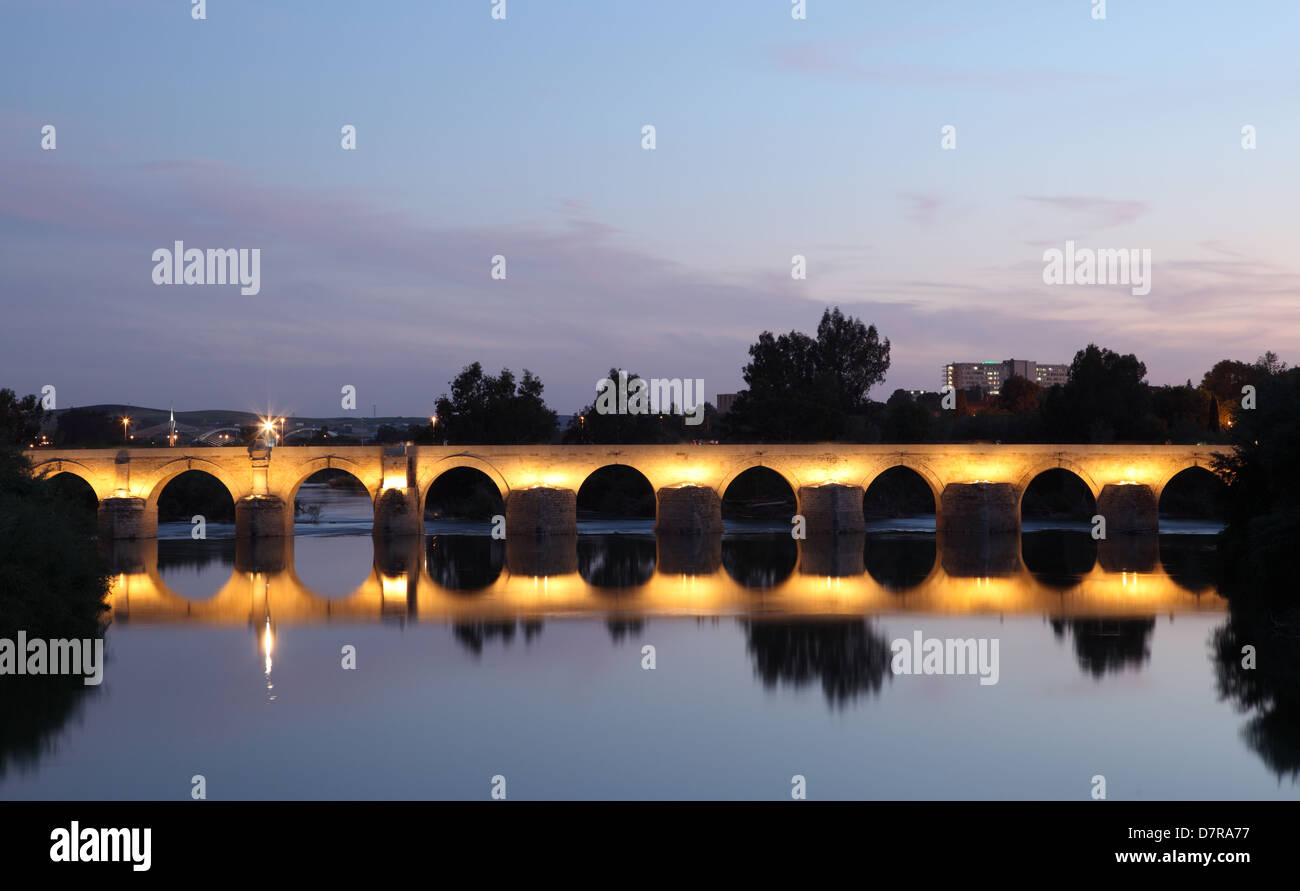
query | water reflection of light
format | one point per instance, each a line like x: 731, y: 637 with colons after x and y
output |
x: 394, y: 587
x: 282, y: 594
x: 268, y: 644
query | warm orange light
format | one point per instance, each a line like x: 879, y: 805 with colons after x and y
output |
x: 393, y: 587
x: 268, y: 643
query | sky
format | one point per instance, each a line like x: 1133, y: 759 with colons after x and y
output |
x: 522, y: 137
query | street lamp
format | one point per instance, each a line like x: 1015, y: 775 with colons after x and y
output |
x: 125, y: 423
x: 269, y: 430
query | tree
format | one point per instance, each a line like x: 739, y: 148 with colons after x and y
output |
x: 852, y: 358
x: 1226, y: 379
x: 1019, y: 395
x: 1263, y: 479
x: 83, y: 427
x: 801, y: 388
x: 1105, y: 398
x: 20, y: 419
x: 1268, y: 365
x: 488, y: 410
x: 1188, y: 414
x: 592, y: 426
x: 906, y: 420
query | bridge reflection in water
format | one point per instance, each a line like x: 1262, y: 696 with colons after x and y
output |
x: 459, y: 579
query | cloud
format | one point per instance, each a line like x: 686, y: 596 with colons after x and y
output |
x: 396, y: 303
x: 920, y: 207
x: 1099, y: 213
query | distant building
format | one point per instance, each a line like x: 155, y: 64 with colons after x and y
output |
x: 989, y: 376
x: 725, y: 401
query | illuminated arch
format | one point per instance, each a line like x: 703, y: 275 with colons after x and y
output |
x: 920, y: 468
x: 1191, y: 472
x: 428, y: 477
x: 1181, y: 468
x: 55, y: 466
x: 307, y: 469
x: 172, y: 469
x: 654, y: 494
x: 791, y: 479
x: 1057, y: 464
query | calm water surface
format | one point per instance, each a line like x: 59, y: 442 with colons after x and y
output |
x: 479, y: 658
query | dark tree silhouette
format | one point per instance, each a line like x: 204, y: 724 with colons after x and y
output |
x: 487, y: 410
x: 1106, y: 399
x: 1108, y: 645
x: 1269, y: 690
x: 52, y: 586
x: 1263, y: 494
x: 803, y: 389
x: 1019, y: 395
x: 849, y: 658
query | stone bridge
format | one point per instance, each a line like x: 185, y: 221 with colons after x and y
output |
x: 976, y: 487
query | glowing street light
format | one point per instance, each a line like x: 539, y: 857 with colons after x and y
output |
x: 126, y: 422
x: 269, y: 430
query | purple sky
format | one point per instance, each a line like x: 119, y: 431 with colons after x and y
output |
x: 523, y: 138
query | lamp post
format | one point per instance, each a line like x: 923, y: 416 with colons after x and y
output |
x: 126, y: 422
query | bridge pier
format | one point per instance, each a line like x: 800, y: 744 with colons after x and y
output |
x: 399, y: 560
x: 263, y: 554
x: 1129, y: 552
x: 541, y: 510
x: 688, y: 510
x: 841, y: 555
x: 126, y: 518
x: 397, y: 513
x: 978, y: 507
x: 542, y: 555
x: 1129, y: 507
x: 688, y: 554
x: 832, y: 509
x: 260, y: 516
x: 129, y: 556
x: 977, y: 554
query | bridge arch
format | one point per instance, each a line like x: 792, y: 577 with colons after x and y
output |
x: 1057, y: 463
x: 733, y: 496
x: 427, y: 477
x: 1194, y: 491
x: 471, y: 493
x: 172, y: 469
x: 790, y: 477
x: 907, y: 462
x: 1176, y: 470
x: 307, y: 469
x: 55, y: 466
x: 618, y: 479
x: 1062, y: 503
x: 919, y: 468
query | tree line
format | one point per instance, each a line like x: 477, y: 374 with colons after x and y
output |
x: 814, y: 388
